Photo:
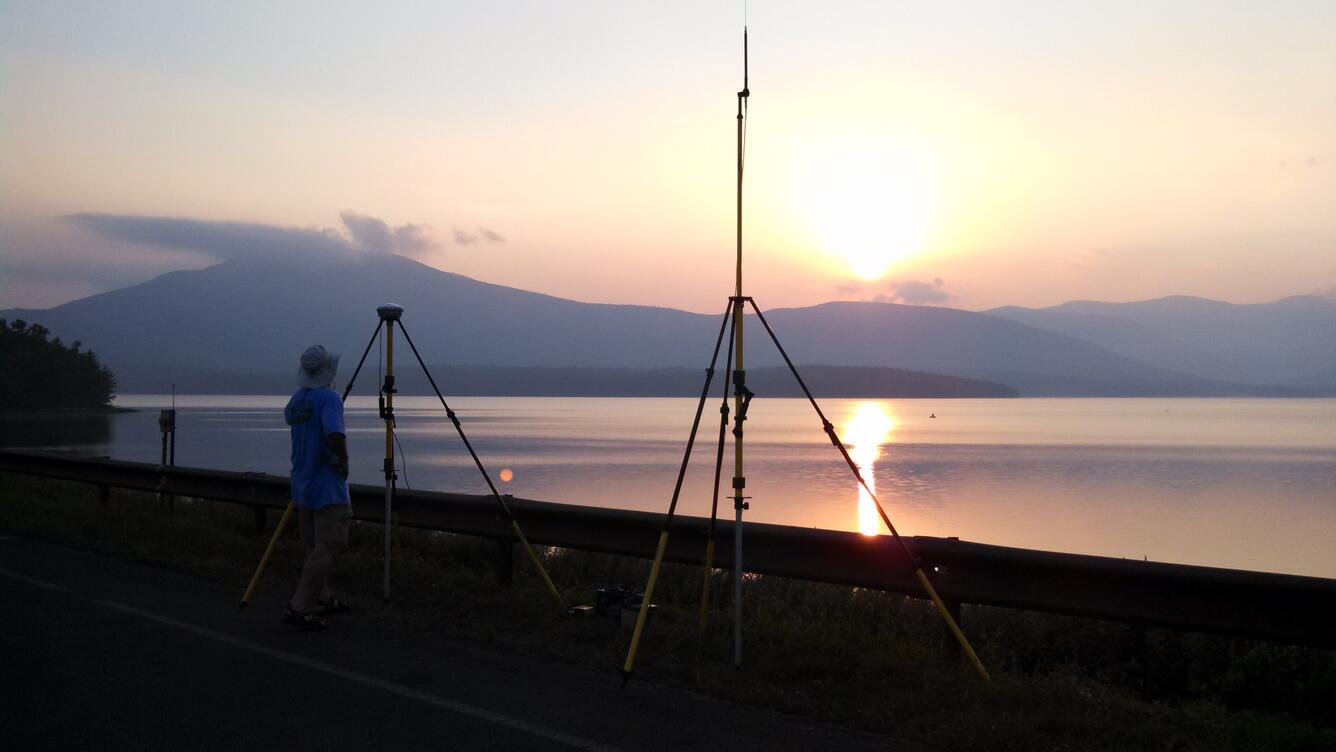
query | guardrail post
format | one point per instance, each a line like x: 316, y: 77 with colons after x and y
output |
x: 505, y: 562
x: 104, y: 494
x: 261, y: 520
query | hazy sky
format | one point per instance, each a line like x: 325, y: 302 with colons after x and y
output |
x: 969, y: 154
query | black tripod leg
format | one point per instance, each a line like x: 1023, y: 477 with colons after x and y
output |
x: 695, y: 423
x: 718, y: 471
x: 514, y: 524
x: 672, y: 507
x: 349, y: 388
x: 914, y: 561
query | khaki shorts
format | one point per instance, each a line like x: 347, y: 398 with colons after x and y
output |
x: 327, y: 526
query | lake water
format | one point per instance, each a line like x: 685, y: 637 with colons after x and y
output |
x: 1243, y: 483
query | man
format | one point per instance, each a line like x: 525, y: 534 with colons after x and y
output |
x: 319, y: 485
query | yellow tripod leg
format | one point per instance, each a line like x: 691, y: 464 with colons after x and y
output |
x: 542, y: 571
x: 264, y: 560
x: 951, y: 624
x: 644, y: 605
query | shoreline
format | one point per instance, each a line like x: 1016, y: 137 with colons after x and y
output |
x: 72, y: 412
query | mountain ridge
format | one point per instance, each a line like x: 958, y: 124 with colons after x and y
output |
x: 1291, y: 341
x: 247, y: 316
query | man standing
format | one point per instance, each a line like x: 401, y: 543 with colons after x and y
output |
x: 319, y: 485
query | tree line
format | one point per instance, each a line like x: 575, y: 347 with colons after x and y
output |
x: 37, y: 373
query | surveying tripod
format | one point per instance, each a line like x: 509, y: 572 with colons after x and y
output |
x: 742, y: 398
x: 391, y: 315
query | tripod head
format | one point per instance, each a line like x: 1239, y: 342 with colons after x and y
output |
x: 389, y: 312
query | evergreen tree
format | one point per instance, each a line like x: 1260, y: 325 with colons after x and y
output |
x: 41, y: 374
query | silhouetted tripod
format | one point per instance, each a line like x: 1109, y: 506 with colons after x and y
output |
x: 390, y: 315
x: 742, y: 398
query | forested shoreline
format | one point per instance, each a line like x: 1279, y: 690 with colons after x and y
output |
x: 39, y: 373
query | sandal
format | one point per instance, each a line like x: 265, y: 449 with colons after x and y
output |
x: 308, y: 622
x: 331, y: 607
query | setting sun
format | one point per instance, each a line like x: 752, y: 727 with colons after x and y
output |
x: 865, y: 431
x: 867, y: 207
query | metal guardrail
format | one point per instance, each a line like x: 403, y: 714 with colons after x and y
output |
x: 1276, y: 607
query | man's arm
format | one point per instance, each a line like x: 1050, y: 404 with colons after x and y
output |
x: 338, y: 445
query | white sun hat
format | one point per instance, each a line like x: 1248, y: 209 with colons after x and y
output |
x: 317, y: 368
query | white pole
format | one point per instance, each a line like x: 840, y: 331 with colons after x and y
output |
x: 389, y: 443
x: 739, y: 376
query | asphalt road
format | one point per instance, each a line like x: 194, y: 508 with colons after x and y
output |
x: 100, y: 654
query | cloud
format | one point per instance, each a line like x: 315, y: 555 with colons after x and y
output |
x: 51, y: 260
x: 1122, y: 255
x: 375, y: 235
x: 246, y: 240
x: 221, y: 240
x: 414, y: 240
x: 1310, y: 162
x: 483, y: 233
x: 368, y: 233
x: 914, y: 292
x: 909, y: 291
x: 1089, y: 255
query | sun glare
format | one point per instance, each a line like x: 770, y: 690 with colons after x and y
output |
x: 867, y: 208
x: 865, y: 431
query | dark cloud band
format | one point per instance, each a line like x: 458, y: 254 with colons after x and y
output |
x: 223, y: 240
x: 245, y: 240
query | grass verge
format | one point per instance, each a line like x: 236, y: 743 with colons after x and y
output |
x: 856, y: 657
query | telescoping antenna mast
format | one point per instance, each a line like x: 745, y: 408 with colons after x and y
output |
x: 742, y: 397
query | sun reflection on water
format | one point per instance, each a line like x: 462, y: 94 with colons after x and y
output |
x: 865, y: 430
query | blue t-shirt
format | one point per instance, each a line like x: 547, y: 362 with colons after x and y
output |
x: 314, y: 414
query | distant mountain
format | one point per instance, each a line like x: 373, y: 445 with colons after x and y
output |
x: 256, y: 316
x: 828, y: 381
x: 1289, y: 342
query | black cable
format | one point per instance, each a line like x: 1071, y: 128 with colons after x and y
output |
x: 742, y: 166
x: 403, y: 457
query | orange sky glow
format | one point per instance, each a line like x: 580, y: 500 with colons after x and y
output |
x: 991, y: 155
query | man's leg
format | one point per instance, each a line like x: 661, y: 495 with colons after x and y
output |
x: 313, y: 570
x: 331, y: 532
x: 306, y: 527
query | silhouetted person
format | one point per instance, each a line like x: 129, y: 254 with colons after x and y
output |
x: 319, y: 485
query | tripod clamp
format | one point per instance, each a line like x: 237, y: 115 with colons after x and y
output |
x: 740, y: 389
x: 388, y: 313
x: 386, y: 411
x: 740, y: 380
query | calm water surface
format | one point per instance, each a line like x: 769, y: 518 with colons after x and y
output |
x: 1246, y: 483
